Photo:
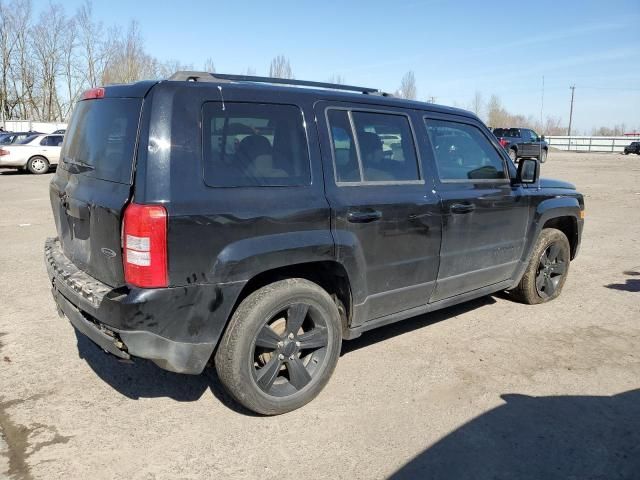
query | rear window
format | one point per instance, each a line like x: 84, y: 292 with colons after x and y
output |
x: 251, y: 144
x: 506, y: 132
x: 24, y: 139
x: 101, y: 139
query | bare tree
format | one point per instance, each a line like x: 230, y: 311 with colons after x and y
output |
x: 250, y: 71
x: 408, y: 87
x: 96, y: 46
x: 168, y: 68
x: 477, y: 103
x: 337, y: 79
x: 46, y: 42
x: 130, y: 62
x: 7, y: 45
x: 280, y: 68
x: 497, y: 116
x: 209, y: 66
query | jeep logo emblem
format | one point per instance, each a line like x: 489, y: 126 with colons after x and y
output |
x: 108, y: 252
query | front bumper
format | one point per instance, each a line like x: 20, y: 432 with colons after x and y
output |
x: 176, y: 328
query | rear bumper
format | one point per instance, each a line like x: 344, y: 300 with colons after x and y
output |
x: 176, y: 328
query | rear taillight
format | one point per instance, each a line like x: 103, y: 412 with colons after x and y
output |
x: 503, y: 142
x: 144, y: 244
x: 4, y: 152
x: 93, y: 93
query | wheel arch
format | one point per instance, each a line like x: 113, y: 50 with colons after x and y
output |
x: 567, y: 224
x: 330, y: 275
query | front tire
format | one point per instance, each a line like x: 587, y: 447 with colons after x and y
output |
x: 547, y: 270
x: 280, y: 347
x: 38, y: 165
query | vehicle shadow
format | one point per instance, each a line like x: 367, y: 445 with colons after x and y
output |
x: 629, y: 285
x: 143, y: 379
x: 585, y: 437
x: 15, y: 171
x: 410, y: 324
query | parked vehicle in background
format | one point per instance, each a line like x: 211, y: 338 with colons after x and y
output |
x: 60, y: 131
x: 261, y: 224
x: 633, y: 147
x: 522, y: 143
x: 35, y: 153
x: 8, y: 138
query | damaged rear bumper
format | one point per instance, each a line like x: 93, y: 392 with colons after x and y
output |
x: 176, y: 328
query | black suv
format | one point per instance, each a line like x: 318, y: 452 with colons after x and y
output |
x: 231, y: 220
x: 522, y: 143
x: 633, y: 147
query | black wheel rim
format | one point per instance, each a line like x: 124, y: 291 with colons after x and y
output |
x: 551, y: 269
x: 290, y: 349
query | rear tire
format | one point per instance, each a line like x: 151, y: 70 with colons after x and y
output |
x: 513, y: 155
x: 280, y: 347
x: 547, y: 270
x: 543, y: 156
x: 38, y: 165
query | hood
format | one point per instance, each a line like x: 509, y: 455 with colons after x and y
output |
x: 553, y: 183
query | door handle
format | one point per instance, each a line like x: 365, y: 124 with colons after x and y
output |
x: 364, y: 216
x: 462, y: 208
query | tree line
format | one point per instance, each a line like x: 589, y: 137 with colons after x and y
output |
x: 48, y: 60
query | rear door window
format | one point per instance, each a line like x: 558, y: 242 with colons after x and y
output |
x: 52, y: 141
x: 386, y: 147
x: 101, y: 138
x: 252, y: 144
x: 382, y: 149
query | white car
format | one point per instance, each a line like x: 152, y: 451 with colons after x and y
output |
x: 35, y: 153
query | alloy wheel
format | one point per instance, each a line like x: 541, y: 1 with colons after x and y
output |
x: 551, y: 268
x: 289, y: 350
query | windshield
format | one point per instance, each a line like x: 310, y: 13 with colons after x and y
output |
x: 102, y: 136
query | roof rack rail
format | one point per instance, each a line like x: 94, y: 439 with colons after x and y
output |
x: 194, y: 76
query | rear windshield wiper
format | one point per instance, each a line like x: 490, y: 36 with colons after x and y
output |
x: 78, y: 163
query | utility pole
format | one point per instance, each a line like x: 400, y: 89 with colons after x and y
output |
x: 573, y: 89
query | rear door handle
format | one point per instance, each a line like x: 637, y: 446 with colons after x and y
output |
x: 364, y: 216
x: 462, y: 208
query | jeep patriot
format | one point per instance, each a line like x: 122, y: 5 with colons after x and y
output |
x: 255, y: 223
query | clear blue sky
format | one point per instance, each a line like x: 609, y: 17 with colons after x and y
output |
x: 454, y: 47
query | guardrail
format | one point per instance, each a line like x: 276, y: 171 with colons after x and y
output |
x: 590, y: 144
x: 31, y: 125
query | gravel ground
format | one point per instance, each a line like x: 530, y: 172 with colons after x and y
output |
x: 488, y: 389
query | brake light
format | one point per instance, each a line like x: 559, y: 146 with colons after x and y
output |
x: 4, y: 152
x: 144, y: 242
x: 503, y: 142
x: 92, y: 93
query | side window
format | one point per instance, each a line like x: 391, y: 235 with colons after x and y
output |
x: 45, y: 142
x: 462, y: 152
x: 384, y: 143
x: 251, y: 144
x: 345, y: 154
x: 534, y: 136
x: 386, y: 146
x: 55, y: 140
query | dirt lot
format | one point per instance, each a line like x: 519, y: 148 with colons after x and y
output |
x: 489, y: 389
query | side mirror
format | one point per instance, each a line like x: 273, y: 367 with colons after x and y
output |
x: 528, y: 170
x: 542, y: 138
